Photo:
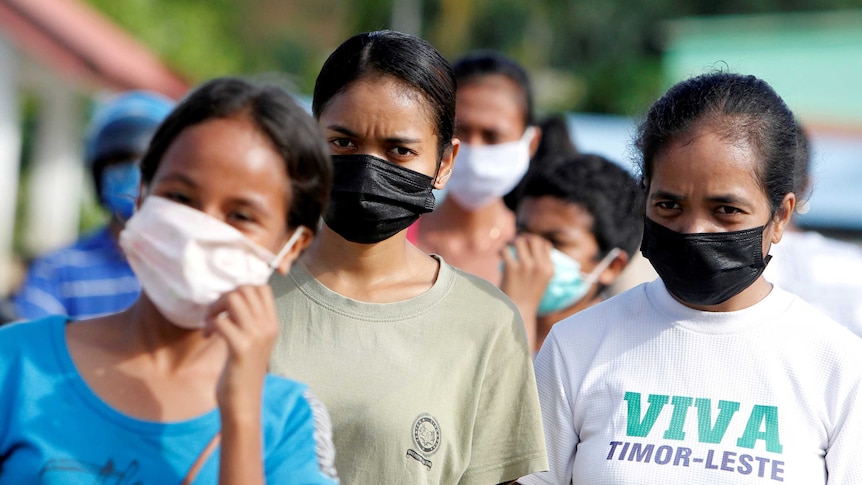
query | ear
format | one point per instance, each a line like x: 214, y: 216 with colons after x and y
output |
x: 534, y: 143
x: 447, y: 163
x: 303, y: 241
x: 615, y: 267
x: 782, y: 217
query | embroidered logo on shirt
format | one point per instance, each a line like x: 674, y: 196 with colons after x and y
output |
x: 426, y: 437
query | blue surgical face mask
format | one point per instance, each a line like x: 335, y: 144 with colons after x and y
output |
x: 569, y: 285
x: 120, y: 184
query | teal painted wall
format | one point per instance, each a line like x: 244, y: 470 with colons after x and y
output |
x: 814, y: 61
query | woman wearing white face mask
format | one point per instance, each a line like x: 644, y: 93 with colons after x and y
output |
x: 174, y: 389
x: 494, y: 115
x: 579, y: 223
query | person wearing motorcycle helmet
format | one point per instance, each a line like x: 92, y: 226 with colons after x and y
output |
x: 91, y: 277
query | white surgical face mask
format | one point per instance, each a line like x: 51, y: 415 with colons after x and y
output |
x: 186, y: 260
x: 483, y: 173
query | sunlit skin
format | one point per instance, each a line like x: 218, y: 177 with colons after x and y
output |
x: 706, y: 182
x: 380, y: 116
x: 489, y: 111
x: 148, y: 368
x: 546, y: 222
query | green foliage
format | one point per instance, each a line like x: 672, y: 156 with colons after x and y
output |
x: 603, y: 56
x: 196, y: 37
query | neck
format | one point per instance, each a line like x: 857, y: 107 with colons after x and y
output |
x: 451, y: 216
x: 333, y: 255
x: 145, y: 330
x: 544, y: 323
x: 389, y: 271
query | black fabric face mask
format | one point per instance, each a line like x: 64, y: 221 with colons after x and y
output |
x: 704, y: 268
x: 372, y: 199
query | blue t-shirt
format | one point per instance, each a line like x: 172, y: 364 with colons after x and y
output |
x: 84, y: 280
x: 55, y: 430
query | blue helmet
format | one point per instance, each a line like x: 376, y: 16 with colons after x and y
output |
x: 124, y: 125
x: 120, y: 131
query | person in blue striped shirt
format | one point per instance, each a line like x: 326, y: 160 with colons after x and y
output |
x: 91, y: 277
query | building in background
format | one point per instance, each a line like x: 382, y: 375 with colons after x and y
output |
x: 60, y: 53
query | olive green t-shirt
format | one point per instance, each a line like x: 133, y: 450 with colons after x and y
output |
x: 437, y: 389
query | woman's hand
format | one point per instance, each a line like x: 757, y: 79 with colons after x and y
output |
x: 245, y: 318
x: 526, y: 275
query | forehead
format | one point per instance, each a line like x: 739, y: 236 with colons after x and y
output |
x: 551, y: 214
x: 382, y: 99
x: 710, y: 160
x: 491, y: 97
x: 226, y: 153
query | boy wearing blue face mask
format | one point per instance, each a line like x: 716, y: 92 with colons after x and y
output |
x: 579, y: 224
x: 91, y: 277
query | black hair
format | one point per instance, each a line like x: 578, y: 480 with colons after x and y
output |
x: 404, y: 57
x: 803, y: 187
x: 604, y: 189
x: 555, y: 146
x: 293, y: 134
x: 740, y: 107
x: 556, y: 138
x: 480, y: 64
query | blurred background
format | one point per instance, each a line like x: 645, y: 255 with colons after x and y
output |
x: 601, y: 64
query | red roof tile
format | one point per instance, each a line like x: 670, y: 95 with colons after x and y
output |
x: 73, y: 38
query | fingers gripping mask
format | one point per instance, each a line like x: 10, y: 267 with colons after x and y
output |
x: 704, y: 268
x: 483, y: 173
x: 186, y: 260
x: 373, y: 199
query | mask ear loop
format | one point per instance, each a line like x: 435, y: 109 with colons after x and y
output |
x: 603, y: 265
x: 286, y: 248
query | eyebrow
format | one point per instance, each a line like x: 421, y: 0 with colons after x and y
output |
x: 251, y: 200
x: 553, y: 233
x: 727, y: 199
x: 661, y: 194
x: 394, y: 139
x: 721, y: 199
x: 176, y: 177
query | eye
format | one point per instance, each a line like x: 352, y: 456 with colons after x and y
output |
x: 403, y: 152
x: 242, y: 216
x: 727, y: 210
x: 342, y: 143
x: 667, y: 205
x: 178, y: 197
x: 491, y: 137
